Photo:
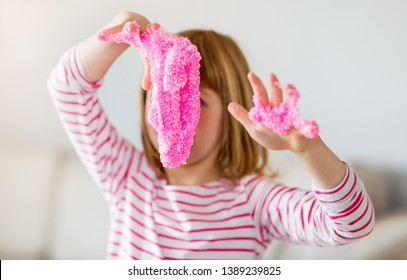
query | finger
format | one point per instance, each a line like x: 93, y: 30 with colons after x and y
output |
x: 146, y: 79
x: 258, y: 132
x: 153, y: 25
x: 119, y: 28
x: 258, y: 88
x: 276, y: 91
x: 241, y: 115
x: 111, y: 32
x: 115, y: 29
x: 290, y: 88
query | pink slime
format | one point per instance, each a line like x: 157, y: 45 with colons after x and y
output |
x: 280, y: 119
x: 175, y: 97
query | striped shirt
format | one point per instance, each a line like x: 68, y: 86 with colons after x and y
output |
x: 219, y: 220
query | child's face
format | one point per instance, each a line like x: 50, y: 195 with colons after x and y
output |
x: 208, y: 132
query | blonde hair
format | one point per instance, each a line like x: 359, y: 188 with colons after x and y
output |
x: 223, y: 69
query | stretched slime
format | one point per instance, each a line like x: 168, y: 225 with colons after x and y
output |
x: 283, y: 117
x: 175, y: 96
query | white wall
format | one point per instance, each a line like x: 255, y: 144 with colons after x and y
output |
x: 347, y: 58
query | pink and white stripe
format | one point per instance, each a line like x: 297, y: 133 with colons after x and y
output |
x: 219, y: 220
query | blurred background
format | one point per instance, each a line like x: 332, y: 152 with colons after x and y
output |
x: 347, y: 58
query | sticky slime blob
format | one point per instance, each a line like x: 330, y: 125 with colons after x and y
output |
x: 283, y: 117
x: 175, y: 96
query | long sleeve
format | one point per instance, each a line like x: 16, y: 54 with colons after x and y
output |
x: 319, y: 217
x: 105, y: 153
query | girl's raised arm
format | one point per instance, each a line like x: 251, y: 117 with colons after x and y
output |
x: 73, y: 85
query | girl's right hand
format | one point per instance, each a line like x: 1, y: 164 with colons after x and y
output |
x: 118, y: 23
x: 97, y: 56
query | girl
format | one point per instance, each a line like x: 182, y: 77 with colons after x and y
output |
x: 221, y: 204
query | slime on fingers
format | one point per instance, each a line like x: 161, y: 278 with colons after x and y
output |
x: 283, y: 117
x: 175, y: 97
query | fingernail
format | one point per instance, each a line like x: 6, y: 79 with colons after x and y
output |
x: 230, y: 107
x: 291, y: 89
x: 155, y: 25
x: 275, y: 80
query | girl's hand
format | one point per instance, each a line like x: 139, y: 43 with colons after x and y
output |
x: 97, y: 56
x: 118, y: 23
x: 293, y: 140
x: 325, y: 168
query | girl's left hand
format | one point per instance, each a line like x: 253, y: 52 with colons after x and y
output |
x: 293, y: 140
